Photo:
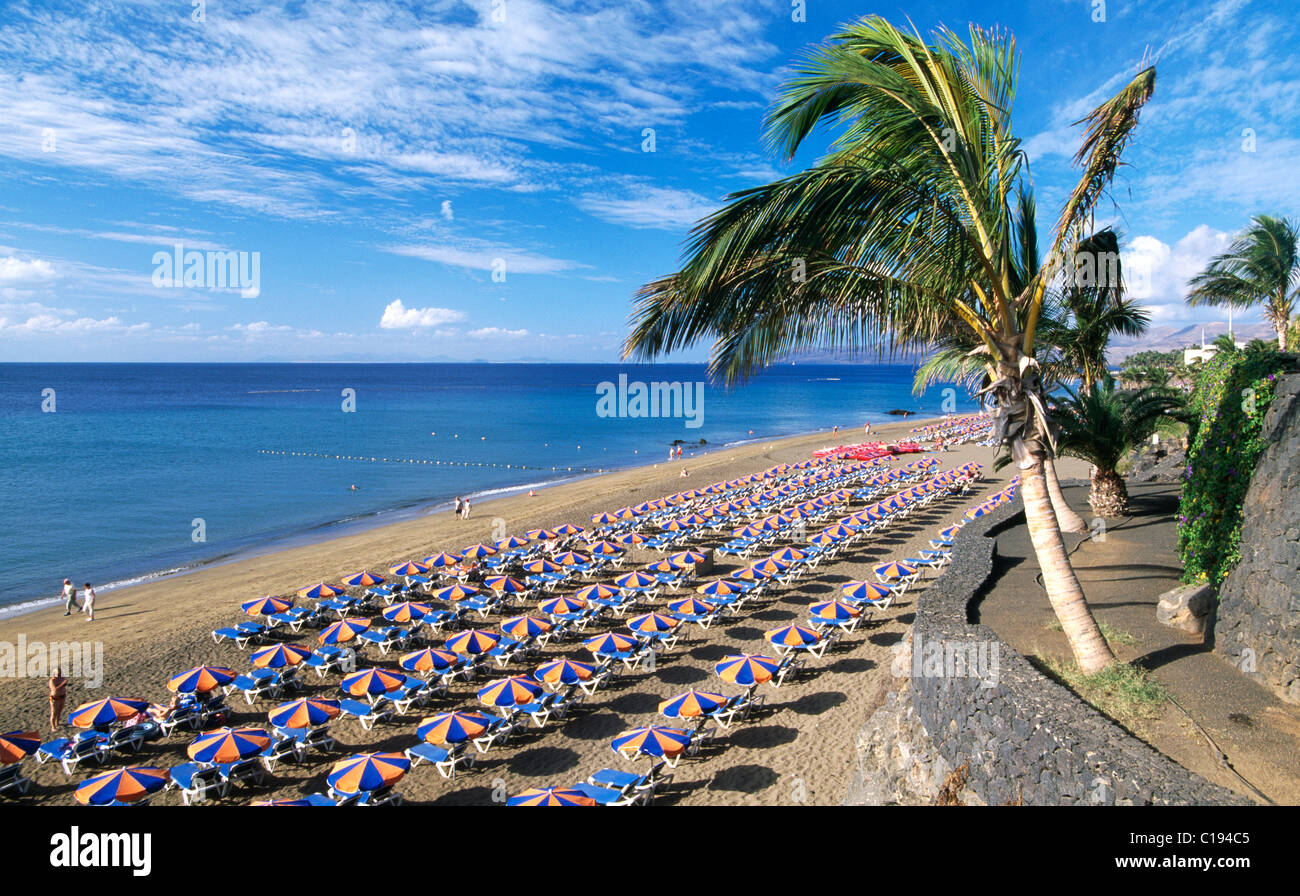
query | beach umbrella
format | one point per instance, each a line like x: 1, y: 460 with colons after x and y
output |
x: 635, y: 580
x: 505, y: 585
x: 126, y: 785
x: 792, y: 636
x: 691, y: 607
x: 200, y: 680
x: 14, y: 745
x: 666, y: 565
x: 228, y: 745
x: 610, y: 549
x: 569, y: 529
x: 628, y: 538
x: 98, y: 713
x: 478, y: 552
x: 453, y: 593
x: 510, y: 543
x: 692, y: 704
x: 653, y: 622
x: 563, y: 671
x: 542, y: 565
x: 652, y: 740
x: 720, y: 587
x: 303, y: 713
x: 429, y: 659
x: 610, y: 642
x: 525, y: 626
x: 571, y: 558
x: 541, y: 534
x: 839, y: 532
x: 367, y: 771
x: 746, y: 669
x: 604, y: 519
x: 593, y: 592
x: 835, y: 611
x: 363, y: 580
x: 472, y: 640
x: 409, y: 569
x: 750, y: 531
x: 865, y: 591
x: 551, y: 796
x: 321, y: 591
x: 513, y: 691
x: 675, y: 526
x: 279, y: 656
x: 452, y: 727
x: 894, y: 570
x: 343, y: 631
x: 562, y: 606
x: 442, y: 560
x: 266, y: 606
x: 769, y: 567
x: 407, y: 611
x: 371, y: 682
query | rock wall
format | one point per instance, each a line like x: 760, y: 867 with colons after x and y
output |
x: 1258, y: 621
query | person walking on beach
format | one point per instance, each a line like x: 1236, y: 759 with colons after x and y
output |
x: 58, y: 696
x: 88, y: 602
x: 465, y: 509
x: 69, y: 597
x: 459, y: 507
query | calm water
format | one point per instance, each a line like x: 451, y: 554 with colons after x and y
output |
x: 108, y: 487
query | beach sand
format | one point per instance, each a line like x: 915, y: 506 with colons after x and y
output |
x: 800, y: 749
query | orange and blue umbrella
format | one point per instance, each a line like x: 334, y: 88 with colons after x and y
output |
x: 652, y: 740
x: 510, y: 543
x: 541, y: 534
x: 411, y: 568
x: 472, y: 640
x: 228, y: 745
x: 551, y: 796
x: 769, y: 567
x: 266, y: 606
x: 98, y: 713
x: 525, y: 626
x: 596, y: 592
x: 200, y: 680
x: 668, y: 564
x: 720, y: 587
x: 279, y: 656
x: 562, y: 606
x: 792, y: 636
x: 653, y: 622
x: 542, y: 565
x: 894, y: 570
x: 747, y: 669
x: 343, y: 631
x: 610, y: 549
x: 630, y: 538
x: 692, y: 704
x: 303, y: 713
x: 363, y: 580
x: 691, y: 607
x: 516, y: 690
x: 610, y: 642
x: 634, y: 580
x: 478, y: 552
x: 790, y: 555
x: 568, y: 529
x: 687, y: 558
x: 564, y: 671
x: 443, y: 560
x: 571, y: 558
x: 367, y: 771
x: 429, y: 659
x: 407, y: 611
x: 321, y: 591
x: 14, y: 745
x: 453, y: 593
x: 452, y: 727
x: 865, y: 591
x: 835, y: 611
x: 505, y: 585
x: 372, y: 682
x: 126, y: 785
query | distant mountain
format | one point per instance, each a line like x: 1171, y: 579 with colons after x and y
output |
x: 1167, y: 339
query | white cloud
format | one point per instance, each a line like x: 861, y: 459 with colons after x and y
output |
x: 661, y: 208
x: 398, y: 317
x: 14, y: 270
x: 496, y: 333
x: 485, y: 257
x: 1156, y: 274
x: 447, y: 213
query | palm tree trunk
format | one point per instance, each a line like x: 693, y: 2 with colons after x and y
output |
x: 1066, y: 518
x: 1108, y: 496
x: 1091, y: 651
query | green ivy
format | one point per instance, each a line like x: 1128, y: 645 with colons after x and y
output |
x: 1232, y: 394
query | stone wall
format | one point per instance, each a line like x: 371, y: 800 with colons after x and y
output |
x: 1258, y: 621
x: 1022, y: 737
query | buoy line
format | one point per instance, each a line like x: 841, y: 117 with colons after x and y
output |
x: 428, y: 461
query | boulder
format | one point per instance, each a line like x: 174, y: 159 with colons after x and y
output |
x: 1187, y: 608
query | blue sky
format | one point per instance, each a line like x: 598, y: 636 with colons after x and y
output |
x: 382, y: 158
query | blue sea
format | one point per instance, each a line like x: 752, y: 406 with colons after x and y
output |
x: 113, y: 475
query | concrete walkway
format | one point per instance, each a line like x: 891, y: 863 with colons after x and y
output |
x: 1227, y: 722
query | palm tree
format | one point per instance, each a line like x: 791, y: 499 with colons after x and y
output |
x: 1103, y: 425
x: 905, y: 231
x: 1261, y: 267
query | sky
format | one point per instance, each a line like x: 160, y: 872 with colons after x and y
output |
x: 495, y: 179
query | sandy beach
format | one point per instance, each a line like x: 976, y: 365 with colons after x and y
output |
x: 799, y: 749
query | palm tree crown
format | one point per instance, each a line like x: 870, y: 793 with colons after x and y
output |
x: 1261, y: 267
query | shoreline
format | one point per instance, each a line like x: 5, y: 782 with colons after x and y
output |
x: 332, y: 530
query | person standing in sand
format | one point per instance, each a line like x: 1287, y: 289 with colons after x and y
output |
x: 465, y: 509
x: 459, y: 506
x: 69, y: 597
x: 88, y: 602
x: 58, y: 697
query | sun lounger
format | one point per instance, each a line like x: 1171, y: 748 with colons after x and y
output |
x: 245, y: 771
x: 607, y: 796
x: 738, y: 707
x: 499, y: 731
x: 385, y: 796
x: 446, y: 761
x: 198, y: 783
x: 131, y: 738
x: 88, y: 747
x: 242, y: 639
x: 367, y: 715
x: 12, y: 781
x: 254, y: 687
x: 629, y: 782
x: 332, y: 659
x: 281, y: 748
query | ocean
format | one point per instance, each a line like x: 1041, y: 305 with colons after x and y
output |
x: 117, y: 473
